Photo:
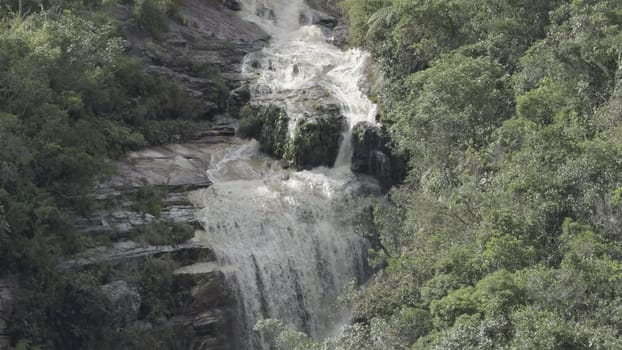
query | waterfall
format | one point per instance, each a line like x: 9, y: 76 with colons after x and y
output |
x: 287, y: 241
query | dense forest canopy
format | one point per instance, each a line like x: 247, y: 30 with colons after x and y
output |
x: 506, y: 233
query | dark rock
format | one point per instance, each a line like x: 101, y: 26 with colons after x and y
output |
x: 207, y: 323
x: 132, y: 253
x: 202, y: 34
x: 239, y: 97
x: 8, y: 288
x: 265, y: 12
x: 317, y: 18
x: 329, y: 7
x: 233, y: 5
x: 340, y: 36
x: 268, y: 125
x: 283, y: 163
x: 316, y: 141
x: 124, y: 301
x: 372, y: 156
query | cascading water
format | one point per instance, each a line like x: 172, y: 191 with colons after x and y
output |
x: 286, y: 240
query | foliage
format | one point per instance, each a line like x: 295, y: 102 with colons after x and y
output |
x: 315, y: 142
x: 266, y: 124
x: 164, y: 233
x: 506, y: 232
x: 69, y: 101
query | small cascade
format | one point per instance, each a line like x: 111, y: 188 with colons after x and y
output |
x: 288, y: 241
x: 300, y: 60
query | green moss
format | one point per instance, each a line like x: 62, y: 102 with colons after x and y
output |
x: 315, y: 142
x: 268, y: 125
x: 165, y: 233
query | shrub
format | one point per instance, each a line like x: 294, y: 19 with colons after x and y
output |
x: 165, y: 233
x: 151, y: 16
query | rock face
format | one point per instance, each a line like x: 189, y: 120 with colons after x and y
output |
x: 178, y: 279
x: 172, y: 171
x: 340, y: 35
x: 157, y: 286
x: 202, y: 49
x: 326, y: 6
x: 372, y: 155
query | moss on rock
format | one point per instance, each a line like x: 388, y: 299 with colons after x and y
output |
x: 315, y: 142
x: 266, y: 124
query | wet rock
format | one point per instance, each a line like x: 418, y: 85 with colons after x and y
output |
x: 116, y: 210
x: 261, y: 90
x: 283, y: 163
x: 132, y: 253
x: 372, y: 156
x: 265, y: 12
x: 317, y: 120
x: 233, y: 5
x: 207, y: 323
x: 340, y: 35
x: 326, y: 6
x: 317, y: 18
x: 124, y: 301
x: 316, y: 141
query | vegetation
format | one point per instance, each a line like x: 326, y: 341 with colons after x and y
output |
x: 164, y: 233
x: 69, y: 100
x: 506, y: 232
x: 266, y: 124
x: 314, y: 142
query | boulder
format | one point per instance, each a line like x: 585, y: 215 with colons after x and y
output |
x: 233, y: 5
x: 315, y: 141
x: 8, y: 288
x: 283, y: 163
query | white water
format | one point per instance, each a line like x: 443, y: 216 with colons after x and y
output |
x: 286, y: 240
x: 301, y: 57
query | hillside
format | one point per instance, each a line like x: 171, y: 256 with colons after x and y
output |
x: 506, y: 232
